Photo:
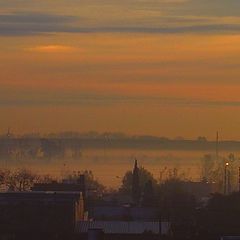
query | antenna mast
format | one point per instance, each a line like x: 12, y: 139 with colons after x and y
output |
x: 217, y: 146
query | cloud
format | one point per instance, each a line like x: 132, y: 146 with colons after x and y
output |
x: 28, y: 23
x: 207, y: 28
x: 143, y: 16
x: 11, y: 97
x: 31, y: 24
x: 52, y: 49
x: 210, y: 8
x: 33, y: 17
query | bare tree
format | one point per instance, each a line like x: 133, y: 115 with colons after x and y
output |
x: 22, y: 180
x: 208, y: 168
x: 18, y: 180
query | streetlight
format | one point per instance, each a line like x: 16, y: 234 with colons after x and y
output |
x: 226, y: 178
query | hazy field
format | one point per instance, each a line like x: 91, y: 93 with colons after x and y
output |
x: 109, y: 165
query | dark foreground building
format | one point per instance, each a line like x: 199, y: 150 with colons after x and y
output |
x: 123, y: 213
x: 77, y: 186
x: 39, y: 215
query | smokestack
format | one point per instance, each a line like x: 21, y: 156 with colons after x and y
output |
x: 82, y: 186
x: 79, y: 208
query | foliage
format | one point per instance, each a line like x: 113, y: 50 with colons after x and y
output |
x: 144, y: 177
x: 91, y: 181
x: 221, y: 215
x: 213, y: 171
x: 174, y: 201
x: 18, y: 180
x: 208, y: 165
x: 177, y: 206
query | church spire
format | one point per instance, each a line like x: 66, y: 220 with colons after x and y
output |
x: 135, y: 184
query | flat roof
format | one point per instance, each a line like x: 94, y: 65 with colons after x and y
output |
x: 49, y: 195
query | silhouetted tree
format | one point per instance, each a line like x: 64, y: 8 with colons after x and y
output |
x: 208, y: 164
x: 177, y: 206
x: 21, y: 179
x: 148, y: 198
x: 221, y: 215
x: 18, y: 180
x: 52, y: 148
x: 144, y: 177
x: 90, y: 180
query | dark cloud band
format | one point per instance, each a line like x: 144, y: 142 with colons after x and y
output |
x: 29, y: 23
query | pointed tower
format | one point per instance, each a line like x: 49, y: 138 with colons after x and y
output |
x: 135, y: 184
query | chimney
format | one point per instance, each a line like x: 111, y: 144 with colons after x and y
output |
x: 81, y: 183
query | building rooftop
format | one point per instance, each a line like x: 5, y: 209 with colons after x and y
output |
x: 55, y: 186
x: 38, y: 196
x: 123, y: 212
x: 123, y: 227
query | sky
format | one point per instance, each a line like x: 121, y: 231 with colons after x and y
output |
x: 153, y: 67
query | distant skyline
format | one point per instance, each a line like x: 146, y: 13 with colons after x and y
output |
x: 143, y: 67
x: 107, y: 135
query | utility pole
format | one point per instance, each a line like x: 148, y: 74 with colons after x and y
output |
x: 217, y: 146
x: 226, y: 178
x: 8, y: 140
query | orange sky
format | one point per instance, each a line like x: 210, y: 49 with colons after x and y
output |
x: 164, y: 68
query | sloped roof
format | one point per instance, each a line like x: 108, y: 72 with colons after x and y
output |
x: 10, y: 197
x: 121, y: 212
x: 121, y: 227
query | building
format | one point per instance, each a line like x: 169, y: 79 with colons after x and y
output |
x: 78, y: 186
x: 43, y: 215
x: 123, y: 213
x: 123, y: 229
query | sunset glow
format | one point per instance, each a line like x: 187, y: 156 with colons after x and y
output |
x: 151, y: 60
